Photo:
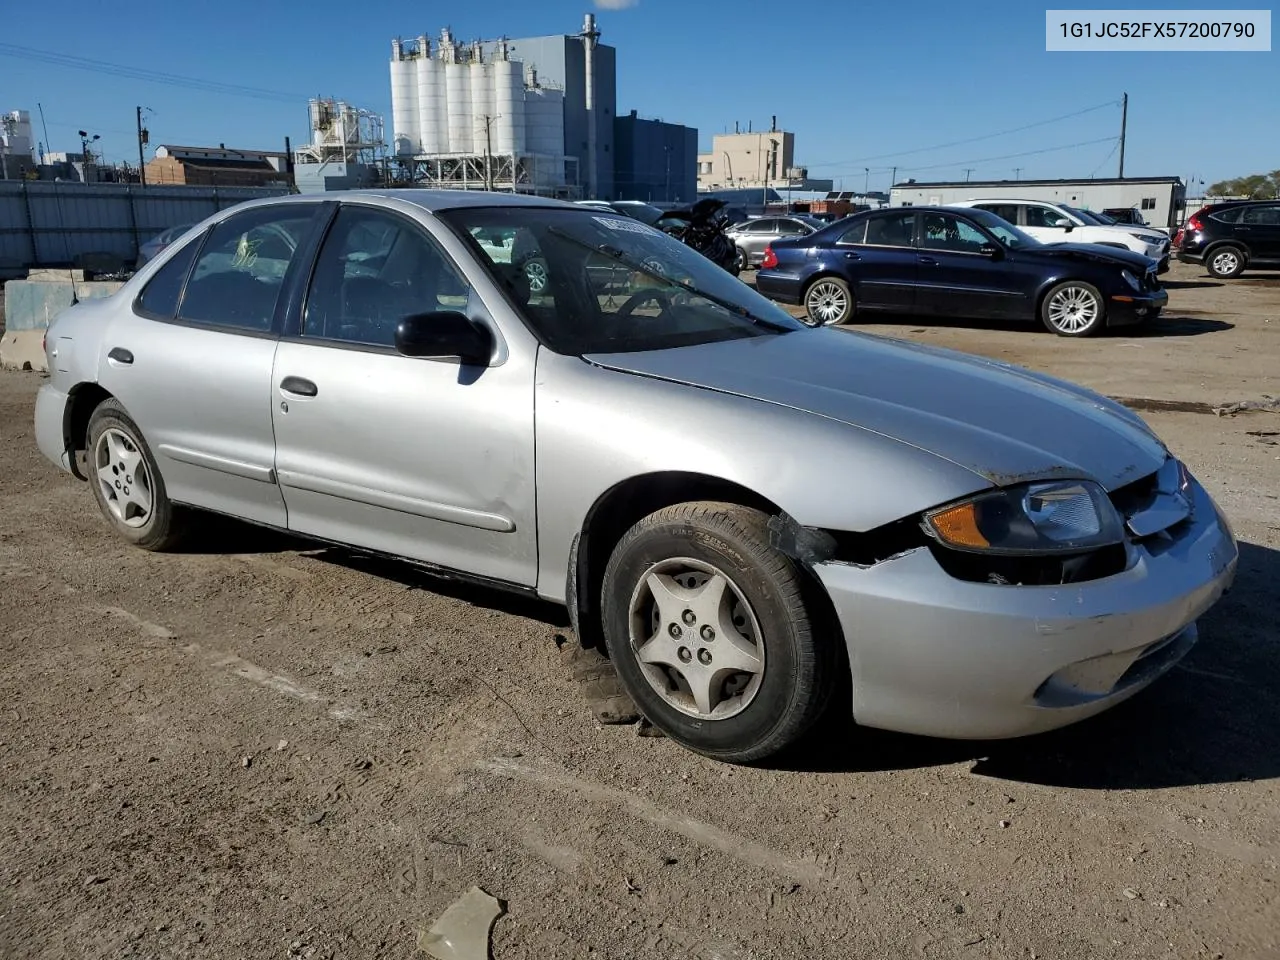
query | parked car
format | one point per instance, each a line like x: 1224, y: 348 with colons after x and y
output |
x: 1130, y: 215
x: 752, y: 237
x: 948, y: 261
x: 1057, y: 222
x: 150, y: 249
x: 741, y: 509
x: 1228, y: 237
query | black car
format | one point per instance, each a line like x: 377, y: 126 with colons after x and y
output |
x: 1228, y: 237
x: 964, y: 262
x: 1125, y: 215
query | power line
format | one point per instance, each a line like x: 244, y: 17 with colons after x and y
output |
x: 149, y: 76
x: 957, y: 143
x: 1111, y: 153
x: 1007, y: 156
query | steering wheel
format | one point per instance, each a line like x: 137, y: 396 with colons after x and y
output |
x: 644, y: 296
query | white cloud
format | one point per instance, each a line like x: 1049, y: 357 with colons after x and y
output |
x: 615, y: 4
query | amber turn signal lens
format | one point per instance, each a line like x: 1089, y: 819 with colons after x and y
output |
x: 959, y: 526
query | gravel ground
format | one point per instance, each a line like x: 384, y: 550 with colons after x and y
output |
x: 258, y: 748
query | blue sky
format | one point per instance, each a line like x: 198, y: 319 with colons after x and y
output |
x: 854, y: 80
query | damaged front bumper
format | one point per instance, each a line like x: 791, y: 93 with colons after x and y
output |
x: 935, y: 655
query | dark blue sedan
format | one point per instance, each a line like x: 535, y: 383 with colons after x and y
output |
x: 959, y: 262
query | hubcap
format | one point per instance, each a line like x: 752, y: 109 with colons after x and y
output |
x: 536, y: 273
x: 827, y: 302
x: 123, y: 478
x: 696, y: 639
x: 1225, y: 262
x: 1073, y: 309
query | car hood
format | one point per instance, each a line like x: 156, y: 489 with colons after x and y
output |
x: 1098, y: 253
x: 1003, y: 423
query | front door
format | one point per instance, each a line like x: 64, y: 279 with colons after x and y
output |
x: 1259, y: 229
x: 420, y: 458
x: 192, y: 361
x: 957, y: 278
x: 878, y: 257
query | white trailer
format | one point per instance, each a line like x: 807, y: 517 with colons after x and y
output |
x: 1161, y: 200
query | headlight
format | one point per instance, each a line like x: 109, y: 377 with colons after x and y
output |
x: 1059, y: 517
x: 1130, y: 279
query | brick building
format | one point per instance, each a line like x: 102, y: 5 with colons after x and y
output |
x: 217, y: 166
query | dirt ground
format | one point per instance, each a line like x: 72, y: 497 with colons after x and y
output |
x: 260, y: 749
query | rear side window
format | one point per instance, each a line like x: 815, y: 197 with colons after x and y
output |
x: 1226, y: 215
x: 855, y: 234
x: 240, y: 271
x: 1008, y: 212
x: 160, y: 296
x: 1266, y: 216
x: 894, y: 230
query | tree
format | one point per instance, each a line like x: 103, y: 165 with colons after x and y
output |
x: 1259, y: 186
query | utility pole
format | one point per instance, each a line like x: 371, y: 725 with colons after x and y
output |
x: 892, y: 177
x: 144, y: 137
x: 1124, y: 124
x: 488, y: 153
x: 1017, y: 173
x: 967, y: 171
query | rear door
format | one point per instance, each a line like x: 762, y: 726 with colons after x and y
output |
x: 957, y: 279
x: 878, y: 257
x: 757, y: 236
x: 1259, y: 228
x: 1045, y: 223
x: 191, y: 362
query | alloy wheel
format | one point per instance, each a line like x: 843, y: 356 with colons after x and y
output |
x: 123, y: 476
x: 827, y: 302
x: 1225, y: 262
x: 1073, y: 309
x: 696, y: 639
x: 535, y: 272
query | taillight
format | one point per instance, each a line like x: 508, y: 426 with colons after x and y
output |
x: 1193, y: 222
x: 770, y: 259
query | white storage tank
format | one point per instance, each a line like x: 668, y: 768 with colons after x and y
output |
x: 457, y: 87
x: 508, y: 86
x: 404, y: 102
x: 482, y: 101
x: 431, y: 115
x: 545, y: 121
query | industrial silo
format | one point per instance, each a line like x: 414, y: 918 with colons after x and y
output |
x: 457, y: 92
x: 431, y: 110
x: 508, y: 87
x: 404, y: 102
x: 544, y: 114
x: 482, y: 99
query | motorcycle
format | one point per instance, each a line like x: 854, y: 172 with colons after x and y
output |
x: 702, y: 227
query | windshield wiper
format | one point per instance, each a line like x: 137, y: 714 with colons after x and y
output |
x: 613, y: 253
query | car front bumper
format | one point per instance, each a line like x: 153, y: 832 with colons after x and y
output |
x: 1135, y: 308
x: 50, y: 419
x: 934, y: 655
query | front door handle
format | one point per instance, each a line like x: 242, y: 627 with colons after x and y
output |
x: 929, y: 260
x: 299, y: 387
x: 853, y: 256
x: 120, y: 355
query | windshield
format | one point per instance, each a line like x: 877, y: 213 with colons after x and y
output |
x: 1005, y: 232
x: 590, y: 282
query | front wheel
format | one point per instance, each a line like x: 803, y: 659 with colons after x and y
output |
x: 127, y: 484
x: 1074, y: 309
x: 742, y: 261
x: 1226, y: 263
x: 829, y: 301
x: 708, y: 628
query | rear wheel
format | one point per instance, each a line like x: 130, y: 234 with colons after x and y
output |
x: 127, y: 484
x: 708, y: 628
x: 1226, y: 263
x: 743, y: 261
x: 829, y: 301
x: 1074, y: 309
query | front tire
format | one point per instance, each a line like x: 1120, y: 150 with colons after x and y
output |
x: 828, y: 301
x: 1074, y: 309
x: 708, y: 628
x: 127, y: 483
x: 1226, y: 262
x: 742, y: 261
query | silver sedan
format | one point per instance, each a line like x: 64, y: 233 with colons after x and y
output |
x: 747, y: 514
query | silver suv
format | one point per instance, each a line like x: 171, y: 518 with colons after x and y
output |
x: 752, y: 237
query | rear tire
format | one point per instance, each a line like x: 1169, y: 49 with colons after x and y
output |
x: 1226, y: 262
x: 127, y: 484
x: 710, y: 633
x: 1074, y: 309
x: 743, y: 262
x: 829, y: 302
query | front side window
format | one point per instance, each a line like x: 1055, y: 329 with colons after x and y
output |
x: 238, y: 276
x: 374, y: 269
x: 855, y: 234
x: 893, y: 230
x: 591, y: 282
x: 792, y: 228
x: 160, y: 296
x: 945, y: 232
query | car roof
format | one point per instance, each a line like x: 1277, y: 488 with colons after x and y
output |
x: 435, y: 200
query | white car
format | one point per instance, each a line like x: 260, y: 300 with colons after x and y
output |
x: 1052, y: 222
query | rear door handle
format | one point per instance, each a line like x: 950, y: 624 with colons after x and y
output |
x: 120, y: 355
x: 929, y: 260
x: 853, y: 256
x: 299, y: 387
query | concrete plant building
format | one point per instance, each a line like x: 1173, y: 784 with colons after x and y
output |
x: 764, y: 158
x: 654, y: 161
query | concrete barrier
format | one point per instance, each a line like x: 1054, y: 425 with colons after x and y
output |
x: 30, y: 306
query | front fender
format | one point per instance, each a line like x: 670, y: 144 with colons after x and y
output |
x: 597, y: 428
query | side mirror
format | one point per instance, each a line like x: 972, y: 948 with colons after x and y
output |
x: 992, y: 250
x: 443, y: 334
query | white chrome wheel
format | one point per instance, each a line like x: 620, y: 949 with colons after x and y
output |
x: 535, y: 272
x: 122, y: 474
x: 1073, y: 309
x: 828, y: 302
x: 1225, y: 262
